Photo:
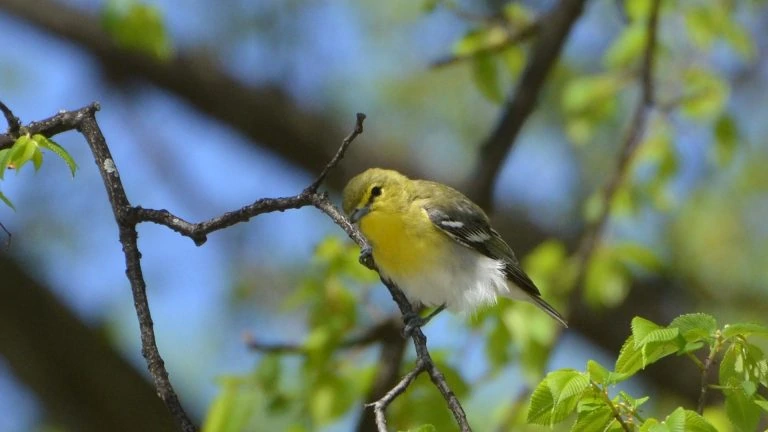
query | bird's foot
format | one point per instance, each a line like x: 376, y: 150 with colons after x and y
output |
x: 413, y: 320
x: 366, y: 257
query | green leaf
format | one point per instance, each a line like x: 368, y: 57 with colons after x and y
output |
x: 741, y: 410
x: 633, y: 358
x: 603, y: 376
x: 726, y: 139
x: 424, y: 428
x: 695, y: 327
x: 627, y: 48
x: 137, y: 27
x: 606, y: 281
x: 744, y: 329
x: 542, y: 402
x: 635, y: 254
x: 486, y: 76
x: 24, y: 153
x: 704, y: 93
x: 583, y: 94
x: 497, y: 345
x: 595, y: 420
x: 696, y: 423
x: 49, y: 144
x: 762, y: 404
x: 5, y: 200
x: 675, y: 421
x: 480, y: 39
x: 5, y: 157
x: 547, y: 406
x: 37, y: 159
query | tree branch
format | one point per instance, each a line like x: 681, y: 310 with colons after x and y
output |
x: 127, y: 218
x: 369, y: 336
x: 381, y: 405
x: 629, y: 147
x: 554, y: 28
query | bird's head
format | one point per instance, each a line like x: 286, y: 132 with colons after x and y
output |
x: 372, y: 190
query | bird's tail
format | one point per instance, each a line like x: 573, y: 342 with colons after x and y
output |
x: 538, y: 301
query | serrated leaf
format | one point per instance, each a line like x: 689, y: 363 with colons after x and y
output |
x: 744, y: 329
x: 696, y: 423
x: 741, y: 410
x: 596, y: 420
x: 641, y: 328
x: 51, y: 145
x: 675, y: 421
x: 632, y: 359
x: 574, y: 387
x: 542, y: 402
x: 695, y: 327
x: 485, y: 73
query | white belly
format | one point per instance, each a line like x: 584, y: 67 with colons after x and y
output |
x: 463, y: 281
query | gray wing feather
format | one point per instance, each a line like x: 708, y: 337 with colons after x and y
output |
x: 468, y: 225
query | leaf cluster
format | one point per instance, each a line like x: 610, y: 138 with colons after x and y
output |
x: 743, y: 371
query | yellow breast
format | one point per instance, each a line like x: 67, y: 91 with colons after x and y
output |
x: 402, y: 249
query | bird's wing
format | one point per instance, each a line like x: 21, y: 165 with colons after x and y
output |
x: 465, y: 223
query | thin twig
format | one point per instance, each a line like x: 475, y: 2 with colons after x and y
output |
x: 14, y: 124
x: 381, y: 405
x: 637, y: 127
x: 510, y: 38
x: 616, y: 414
x: 369, y: 336
x: 8, y: 234
x: 339, y: 153
x: 705, y: 371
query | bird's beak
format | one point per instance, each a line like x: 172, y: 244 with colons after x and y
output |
x: 359, y: 213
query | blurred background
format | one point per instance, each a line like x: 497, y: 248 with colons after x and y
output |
x: 208, y: 106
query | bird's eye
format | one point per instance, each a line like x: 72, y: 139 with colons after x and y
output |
x: 375, y: 191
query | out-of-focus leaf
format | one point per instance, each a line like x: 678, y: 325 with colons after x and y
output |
x: 705, y: 94
x: 138, y: 27
x: 588, y: 92
x: 485, y: 72
x: 632, y: 254
x: 726, y: 140
x: 480, y: 39
x: 626, y: 49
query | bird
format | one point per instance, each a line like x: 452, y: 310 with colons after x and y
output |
x: 436, y: 245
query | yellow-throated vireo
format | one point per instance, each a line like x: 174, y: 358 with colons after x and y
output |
x: 435, y: 244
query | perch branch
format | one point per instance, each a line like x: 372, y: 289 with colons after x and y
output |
x: 128, y: 217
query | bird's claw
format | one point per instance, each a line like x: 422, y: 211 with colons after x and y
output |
x: 413, y: 320
x: 366, y: 256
